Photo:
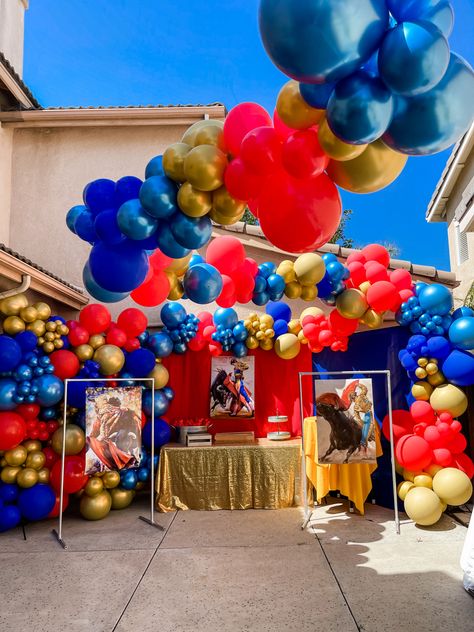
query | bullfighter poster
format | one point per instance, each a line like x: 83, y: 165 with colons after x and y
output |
x: 345, y: 421
x: 232, y: 387
x: 113, y: 428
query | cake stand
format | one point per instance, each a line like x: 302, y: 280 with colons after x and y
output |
x: 279, y: 435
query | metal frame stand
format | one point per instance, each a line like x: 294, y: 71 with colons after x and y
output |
x: 58, y: 534
x: 307, y: 511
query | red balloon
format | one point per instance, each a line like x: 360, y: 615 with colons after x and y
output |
x: 445, y: 418
x: 250, y: 266
x: 244, y: 282
x: 382, y: 296
x: 376, y: 252
x: 281, y: 128
x: 442, y: 456
x: 433, y: 437
x: 311, y: 331
x: 422, y: 412
x: 244, y: 297
x: 227, y: 296
x: 253, y: 206
x: 299, y: 215
x: 326, y: 337
x: 205, y: 319
x: 215, y: 349
x: 302, y: 155
x: 405, y: 295
x: 358, y: 272
x: 78, y: 336
x: 341, y: 325
x: 457, y: 443
x: 159, y: 261
x: 226, y: 254
x: 95, y: 318
x: 153, y: 291
x: 240, y: 121
x: 375, y: 271
x: 197, y: 343
x: 132, y: 344
x: 52, y: 426
x: 133, y: 321
x: 402, y: 422
x: 116, y: 337
x: 66, y: 363
x: 261, y: 150
x: 54, y: 513
x: 74, y: 476
x: 207, y: 332
x: 401, y: 279
x: 463, y: 463
x: 240, y: 182
x: 12, y: 430
x: 413, y: 452
x: 356, y: 256
x: 28, y: 411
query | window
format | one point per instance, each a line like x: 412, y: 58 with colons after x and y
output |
x: 462, y: 247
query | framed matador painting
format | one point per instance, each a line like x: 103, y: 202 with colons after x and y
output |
x: 113, y: 428
x: 345, y: 418
x: 232, y: 387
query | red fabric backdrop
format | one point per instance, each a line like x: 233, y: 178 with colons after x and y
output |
x: 276, y: 387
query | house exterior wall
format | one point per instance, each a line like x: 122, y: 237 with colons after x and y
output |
x: 6, y: 139
x: 12, y: 21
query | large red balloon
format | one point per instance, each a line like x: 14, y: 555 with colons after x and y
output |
x: 358, y: 273
x: 375, y: 271
x: 401, y: 279
x: 28, y: 411
x: 281, y: 128
x: 464, y: 463
x: 226, y: 254
x: 133, y: 322
x: 159, y: 261
x: 74, y: 476
x: 299, y: 215
x: 382, y: 296
x: 240, y: 182
x: 66, y: 363
x: 302, y: 155
x: 376, y: 252
x: 227, y: 296
x: 116, y: 336
x: 240, y: 121
x: 12, y: 430
x: 95, y: 318
x: 341, y: 325
x: 261, y: 150
x: 78, y: 336
x: 152, y: 291
x: 402, y: 423
x: 413, y: 452
x: 54, y: 513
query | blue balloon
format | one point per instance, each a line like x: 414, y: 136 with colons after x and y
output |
x: 173, y: 315
x: 84, y: 226
x: 179, y: 347
x: 168, y: 244
x: 191, y: 232
x: 413, y: 58
x: 127, y: 188
x: 438, y: 347
x: 72, y: 215
x: 430, y: 122
x: 143, y: 474
x: 98, y: 292
x: 260, y: 298
x: 154, y: 167
x: 266, y: 269
x: 240, y: 332
x: 35, y: 503
x: 195, y: 259
x: 239, y: 349
x: 260, y: 284
x: 27, y: 341
x: 161, y: 403
x: 128, y: 479
x: 107, y: 228
x: 162, y: 433
x: 50, y: 390
x: 321, y: 41
x: 140, y: 363
x: 160, y: 344
x: 158, y: 196
x: 461, y: 333
x: 10, y: 517
x: 316, y: 94
x: 202, y: 283
x: 168, y: 392
x: 10, y: 353
x: 280, y: 327
x: 8, y: 493
x: 279, y: 311
x: 460, y: 312
x: 134, y: 221
x: 325, y: 287
x: 275, y: 284
x: 99, y: 195
x: 458, y: 368
x: 118, y: 268
x: 226, y: 317
x: 76, y: 393
x: 360, y: 109
x: 438, y: 12
x: 435, y: 299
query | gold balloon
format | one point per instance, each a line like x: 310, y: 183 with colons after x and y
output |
x: 293, y: 109
x: 173, y: 161
x: 422, y: 362
x: 16, y: 456
x: 422, y: 506
x: 420, y: 373
x: 62, y: 330
x: 352, y: 304
x: 29, y: 314
x: 375, y: 168
x: 111, y: 479
x: 287, y: 346
x: 37, y: 327
x: 12, y: 305
x: 423, y: 480
x: 95, y: 507
x: 32, y: 445
x: 13, y: 325
x: 431, y: 368
x: 176, y: 292
x: 301, y: 337
x: 437, y: 379
x: 334, y: 147
x: 96, y: 341
x: 49, y: 336
x: 43, y: 309
x: 43, y: 475
x: 84, y: 352
x: 193, y: 202
x: 160, y: 375
x: 40, y: 341
x: 294, y: 326
x: 309, y: 268
x: 448, y: 398
x: 372, y: 319
x: 189, y: 136
x: 364, y: 287
x: 286, y: 269
x: 50, y: 326
x: 266, y: 344
x: 27, y: 477
x: 35, y: 459
x: 311, y: 311
x: 204, y: 167
x: 179, y: 266
x: 212, y: 134
x: 9, y: 473
x: 432, y: 470
x: 403, y: 489
x: 293, y: 290
x: 224, y: 204
x: 408, y: 475
x: 251, y: 342
x: 58, y: 343
x: 110, y: 359
x: 121, y: 498
x: 421, y: 391
x: 48, y: 347
x: 309, y: 293
x: 224, y: 220
x: 453, y: 486
x: 94, y: 486
x: 75, y: 440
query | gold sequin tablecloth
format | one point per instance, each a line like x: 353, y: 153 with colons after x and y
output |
x: 262, y: 475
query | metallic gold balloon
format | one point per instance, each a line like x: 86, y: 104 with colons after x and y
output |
x: 266, y: 344
x: 32, y: 445
x: 110, y: 359
x: 12, y: 305
x: 95, y: 507
x: 293, y: 109
x: 224, y: 204
x: 212, y: 134
x: 139, y: 486
x: 372, y: 319
x: 121, y: 498
x: 420, y: 373
x: 41, y: 341
x: 176, y: 292
x: 437, y: 379
x: 43, y: 309
x: 403, y: 488
x: 94, y: 486
x: 335, y: 148
x: 29, y: 314
x: 375, y: 168
x: 179, y: 266
x: 58, y: 343
x: 448, y: 398
x: 62, y: 330
x: 293, y: 290
x: 189, y: 136
x: 160, y: 375
x: 422, y: 391
x: 49, y: 336
x: 43, y: 475
x: 173, y: 161
x: 431, y: 368
x: 294, y: 326
x: 423, y: 480
x: 224, y: 220
x: 9, y: 473
x: 37, y: 327
x: 452, y: 486
x: 352, y: 304
x: 287, y: 346
x: 50, y: 326
x: 309, y: 268
x: 13, y: 325
x: 193, y: 202
x: 309, y: 293
x: 35, y: 459
x: 16, y: 456
x: 422, y: 362
x: 84, y: 352
x: 251, y: 342
x: 311, y: 311
x: 96, y: 341
x: 172, y: 278
x: 111, y: 479
x: 48, y: 347
x: 27, y: 477
x: 302, y: 338
x: 204, y: 167
x: 75, y: 440
x: 287, y: 271
x: 364, y: 287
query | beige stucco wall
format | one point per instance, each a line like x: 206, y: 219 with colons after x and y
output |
x: 6, y: 136
x: 12, y: 14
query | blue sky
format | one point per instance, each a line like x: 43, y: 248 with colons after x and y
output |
x: 130, y: 52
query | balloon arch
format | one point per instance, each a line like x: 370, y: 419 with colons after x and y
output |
x: 350, y: 115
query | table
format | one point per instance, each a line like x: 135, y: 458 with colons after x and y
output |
x: 262, y: 475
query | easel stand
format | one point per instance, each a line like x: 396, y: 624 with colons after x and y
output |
x: 318, y: 374
x: 58, y: 534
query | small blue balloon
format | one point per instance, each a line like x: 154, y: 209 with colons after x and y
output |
x: 134, y: 221
x: 8, y: 493
x: 84, y: 226
x: 225, y: 316
x: 172, y: 315
x: 128, y: 478
x: 260, y: 298
x: 325, y: 287
x: 436, y: 299
x: 35, y: 503
x: 50, y: 390
x: 461, y: 333
x: 275, y: 284
x: 161, y: 403
x: 191, y: 232
x: 154, y: 167
x: 127, y: 188
x: 99, y: 195
x: 162, y: 433
x: 239, y: 349
x: 158, y: 196
x: 168, y: 392
x: 10, y: 517
x: 316, y: 94
x: 10, y: 353
x: 140, y: 363
x: 118, y: 268
x: 143, y: 474
x: 168, y: 244
x: 107, y: 228
x: 438, y: 347
x: 266, y: 269
x: 98, y: 292
x: 240, y: 332
x: 458, y: 368
x: 202, y: 283
x: 260, y: 284
x: 179, y: 347
x: 279, y: 311
x: 280, y: 327
x: 72, y: 215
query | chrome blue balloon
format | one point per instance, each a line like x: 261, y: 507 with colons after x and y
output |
x: 316, y: 94
x: 162, y: 434
x: 240, y: 332
x: 72, y: 215
x: 128, y: 479
x: 107, y: 228
x: 191, y: 232
x: 154, y: 167
x: 10, y: 353
x: 168, y: 392
x: 276, y: 284
x: 458, y: 368
x: 179, y: 347
x: 195, y: 259
x: 120, y: 267
x: 127, y: 188
x: 260, y: 298
x: 161, y: 403
x: 84, y: 226
x: 260, y: 284
x: 413, y: 58
x: 202, y: 283
x: 435, y: 299
x: 158, y: 196
x: 437, y: 12
x: 98, y: 292
x: 225, y: 316
x: 50, y: 390
x: 460, y: 312
x: 428, y: 123
x: 314, y: 41
x: 461, y: 333
x: 99, y: 195
x: 134, y: 221
x: 160, y: 344
x: 168, y: 244
x: 7, y: 394
x: 239, y: 349
x: 172, y: 315
x: 266, y: 269
x: 360, y: 109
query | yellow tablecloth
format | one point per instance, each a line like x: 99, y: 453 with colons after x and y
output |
x: 263, y: 475
x: 351, y: 479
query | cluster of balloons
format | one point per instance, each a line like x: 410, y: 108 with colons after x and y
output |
x: 230, y: 332
x: 178, y: 325
x: 428, y: 312
x: 303, y: 275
